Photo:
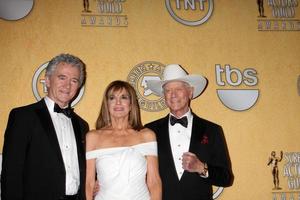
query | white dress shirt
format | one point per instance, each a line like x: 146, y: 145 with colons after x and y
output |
x: 180, y: 138
x: 67, y: 143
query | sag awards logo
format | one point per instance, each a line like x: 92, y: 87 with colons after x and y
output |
x: 138, y: 77
x: 39, y: 88
x: 291, y: 171
x: 190, y: 12
x: 237, y: 99
x: 278, y: 15
x: 104, y: 13
x: 273, y: 161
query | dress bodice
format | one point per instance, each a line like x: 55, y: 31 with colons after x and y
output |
x: 121, y: 171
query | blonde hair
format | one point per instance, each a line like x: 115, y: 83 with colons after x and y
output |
x: 134, y: 118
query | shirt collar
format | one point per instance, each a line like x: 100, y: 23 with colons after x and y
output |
x: 189, y: 116
x: 50, y: 104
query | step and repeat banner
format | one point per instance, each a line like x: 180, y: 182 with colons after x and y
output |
x: 248, y: 50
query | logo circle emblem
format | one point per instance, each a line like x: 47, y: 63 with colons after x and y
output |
x: 138, y: 76
x: 197, y: 22
x: 15, y: 10
x: 39, y: 86
x: 238, y: 100
x: 217, y: 192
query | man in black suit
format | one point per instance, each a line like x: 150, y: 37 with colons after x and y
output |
x: 192, y: 151
x: 43, y: 152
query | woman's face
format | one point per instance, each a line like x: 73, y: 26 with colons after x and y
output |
x: 119, y: 104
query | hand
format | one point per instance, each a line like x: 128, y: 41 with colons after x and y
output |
x: 96, y: 188
x: 191, y: 163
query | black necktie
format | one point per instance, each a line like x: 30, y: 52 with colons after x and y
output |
x: 183, y: 121
x: 66, y: 111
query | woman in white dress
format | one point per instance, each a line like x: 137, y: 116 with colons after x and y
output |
x: 120, y: 152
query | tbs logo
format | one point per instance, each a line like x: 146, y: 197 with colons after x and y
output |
x: 237, y: 99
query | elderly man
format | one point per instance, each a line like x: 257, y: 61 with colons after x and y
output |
x: 43, y: 152
x: 192, y: 151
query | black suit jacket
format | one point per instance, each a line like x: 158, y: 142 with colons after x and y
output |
x: 32, y: 166
x: 208, y: 143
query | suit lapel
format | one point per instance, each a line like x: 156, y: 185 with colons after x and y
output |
x: 197, y: 133
x: 48, y: 126
x: 166, y: 147
x: 79, y: 140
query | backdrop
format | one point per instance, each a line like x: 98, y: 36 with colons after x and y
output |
x: 248, y: 50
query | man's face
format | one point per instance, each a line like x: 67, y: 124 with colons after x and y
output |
x: 177, y: 97
x: 63, y: 84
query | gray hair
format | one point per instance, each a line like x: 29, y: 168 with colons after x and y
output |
x: 68, y: 59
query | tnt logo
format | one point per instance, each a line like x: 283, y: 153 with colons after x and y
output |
x: 190, y: 12
x: 237, y: 99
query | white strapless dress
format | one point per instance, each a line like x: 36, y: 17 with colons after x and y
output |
x: 121, y: 171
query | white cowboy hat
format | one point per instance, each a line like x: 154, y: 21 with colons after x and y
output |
x: 175, y: 72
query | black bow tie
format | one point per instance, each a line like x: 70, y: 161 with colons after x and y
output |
x: 183, y: 121
x: 66, y: 111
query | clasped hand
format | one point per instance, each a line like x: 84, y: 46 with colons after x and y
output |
x: 191, y: 163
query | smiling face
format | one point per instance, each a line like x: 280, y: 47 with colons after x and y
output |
x: 63, y: 84
x: 177, y: 96
x: 119, y: 104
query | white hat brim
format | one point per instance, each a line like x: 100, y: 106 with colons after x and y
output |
x: 198, y: 82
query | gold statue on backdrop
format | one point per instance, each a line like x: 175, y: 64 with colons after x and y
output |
x: 273, y: 160
x: 261, y: 10
x: 86, y: 5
